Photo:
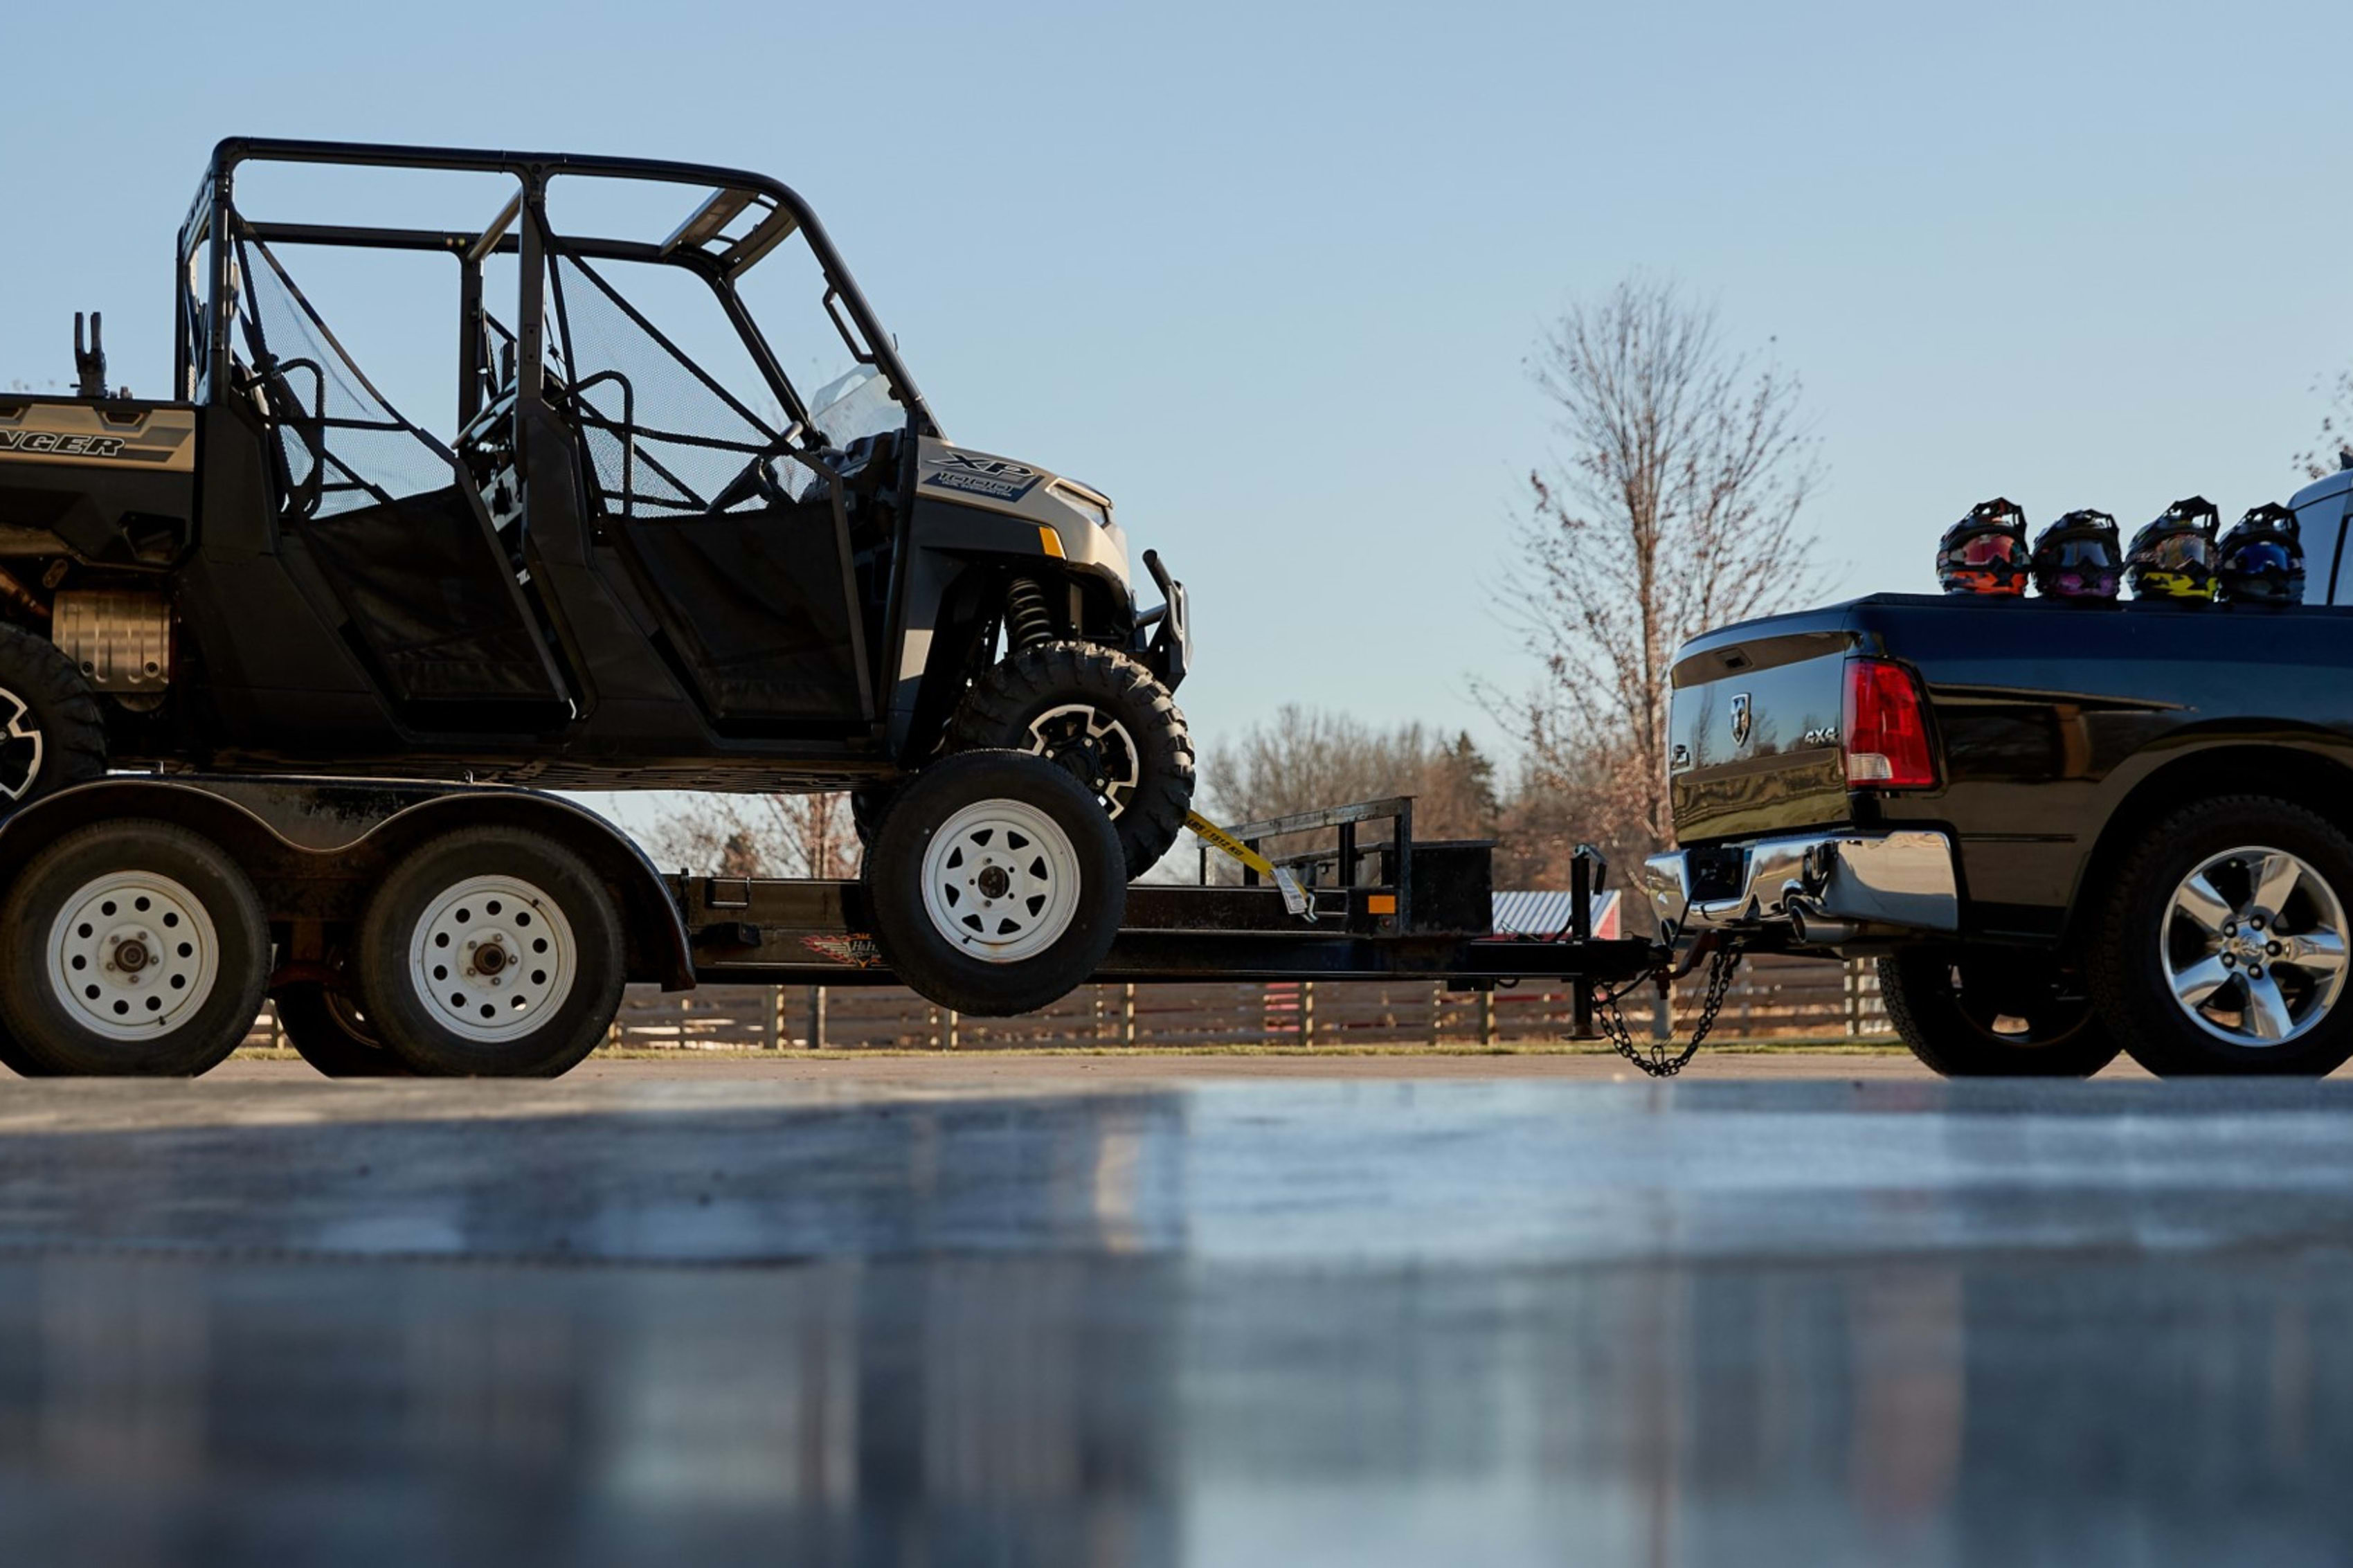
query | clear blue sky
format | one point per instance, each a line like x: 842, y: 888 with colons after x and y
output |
x: 1268, y: 273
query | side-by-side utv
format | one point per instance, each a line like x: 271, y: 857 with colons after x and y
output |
x: 685, y: 522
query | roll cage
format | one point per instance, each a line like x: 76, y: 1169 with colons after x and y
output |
x: 710, y: 242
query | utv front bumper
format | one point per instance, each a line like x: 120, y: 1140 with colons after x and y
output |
x: 1164, y: 641
x: 1816, y: 890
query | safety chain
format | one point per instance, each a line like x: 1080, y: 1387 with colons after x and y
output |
x: 1654, y: 1059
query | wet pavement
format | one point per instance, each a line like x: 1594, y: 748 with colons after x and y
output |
x: 1267, y: 1321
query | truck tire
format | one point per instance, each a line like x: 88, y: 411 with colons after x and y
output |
x: 1106, y: 720
x: 997, y: 886
x: 51, y: 733
x: 329, y: 1030
x: 1989, y: 1012
x: 2221, y: 948
x: 490, y: 953
x: 140, y: 949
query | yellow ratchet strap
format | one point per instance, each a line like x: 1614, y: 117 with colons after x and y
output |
x: 1296, y: 899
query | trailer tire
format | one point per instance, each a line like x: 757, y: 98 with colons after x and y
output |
x: 1106, y: 720
x: 2153, y: 943
x: 1028, y: 844
x: 490, y: 953
x: 52, y: 732
x: 174, y: 901
x: 327, y: 1029
x: 868, y: 806
x: 1929, y: 995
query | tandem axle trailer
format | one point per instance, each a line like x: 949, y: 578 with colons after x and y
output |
x: 322, y: 859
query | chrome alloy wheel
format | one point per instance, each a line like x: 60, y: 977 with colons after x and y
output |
x: 133, y: 955
x: 2253, y: 946
x: 1095, y: 747
x: 21, y: 748
x: 493, y: 958
x: 1001, y: 881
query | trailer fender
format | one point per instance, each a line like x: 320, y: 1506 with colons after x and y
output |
x: 356, y: 828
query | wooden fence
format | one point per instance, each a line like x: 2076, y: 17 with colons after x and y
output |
x: 1774, y: 998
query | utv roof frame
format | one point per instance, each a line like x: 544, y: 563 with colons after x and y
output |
x: 521, y: 229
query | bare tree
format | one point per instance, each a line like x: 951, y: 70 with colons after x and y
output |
x: 759, y: 835
x: 2332, y: 451
x: 1305, y: 758
x: 1670, y: 505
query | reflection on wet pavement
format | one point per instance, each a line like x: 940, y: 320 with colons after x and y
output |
x: 1275, y: 1324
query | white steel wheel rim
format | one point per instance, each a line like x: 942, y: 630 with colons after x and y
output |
x: 21, y: 747
x: 2253, y: 946
x: 1116, y: 765
x: 133, y: 955
x: 1001, y: 881
x: 493, y: 958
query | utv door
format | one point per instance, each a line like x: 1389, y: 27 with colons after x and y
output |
x: 743, y: 554
x: 395, y: 525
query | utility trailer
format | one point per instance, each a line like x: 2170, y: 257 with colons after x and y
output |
x: 350, y: 903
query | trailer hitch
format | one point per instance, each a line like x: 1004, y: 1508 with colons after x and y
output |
x: 1660, y: 1060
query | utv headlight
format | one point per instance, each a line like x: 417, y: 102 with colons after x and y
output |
x: 1094, y: 509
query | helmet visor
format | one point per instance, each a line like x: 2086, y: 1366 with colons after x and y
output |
x: 2262, y: 556
x: 1987, y: 550
x: 2088, y: 554
x: 2178, y: 553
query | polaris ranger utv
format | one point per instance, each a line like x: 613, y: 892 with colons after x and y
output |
x: 633, y: 557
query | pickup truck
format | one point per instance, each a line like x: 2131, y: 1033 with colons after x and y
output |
x: 2063, y: 829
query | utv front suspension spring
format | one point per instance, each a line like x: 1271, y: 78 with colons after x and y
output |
x: 1027, y: 622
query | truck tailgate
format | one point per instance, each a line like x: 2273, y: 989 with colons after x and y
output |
x: 1754, y: 740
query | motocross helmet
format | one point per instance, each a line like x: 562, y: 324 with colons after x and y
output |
x: 2173, y: 557
x: 2261, y: 558
x: 2078, y: 557
x: 1985, y: 552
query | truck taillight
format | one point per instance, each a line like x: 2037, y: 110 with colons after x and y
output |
x: 1884, y: 727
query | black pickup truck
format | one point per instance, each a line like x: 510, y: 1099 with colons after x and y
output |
x: 2064, y: 829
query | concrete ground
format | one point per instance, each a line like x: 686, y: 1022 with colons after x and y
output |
x: 1211, y: 1309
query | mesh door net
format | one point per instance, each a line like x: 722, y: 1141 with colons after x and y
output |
x: 747, y: 577
x: 386, y: 510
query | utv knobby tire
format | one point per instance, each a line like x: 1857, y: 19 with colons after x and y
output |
x: 1004, y: 703
x: 328, y: 1030
x: 2127, y: 976
x: 940, y: 963
x: 411, y: 1024
x: 1951, y: 1026
x: 51, y: 1031
x: 869, y: 805
x: 45, y: 705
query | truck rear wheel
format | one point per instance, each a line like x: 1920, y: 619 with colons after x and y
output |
x: 996, y: 885
x: 2223, y: 948
x: 1988, y: 1012
x: 1106, y: 720
x: 51, y: 733
x: 328, y: 1029
x: 138, y: 948
x: 490, y: 953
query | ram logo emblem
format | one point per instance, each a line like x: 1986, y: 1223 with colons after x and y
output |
x: 1741, y: 720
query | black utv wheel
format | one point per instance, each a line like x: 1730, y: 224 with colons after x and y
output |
x: 51, y: 733
x: 490, y: 953
x: 997, y: 886
x: 140, y: 949
x: 1989, y: 1012
x: 1106, y: 720
x: 330, y: 1031
x: 2223, y: 945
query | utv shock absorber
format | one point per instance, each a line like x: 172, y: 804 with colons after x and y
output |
x: 1027, y: 622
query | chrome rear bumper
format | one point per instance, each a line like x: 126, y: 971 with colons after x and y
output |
x: 1822, y: 888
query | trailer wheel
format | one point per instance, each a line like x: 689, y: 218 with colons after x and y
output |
x: 51, y: 733
x: 2222, y: 947
x: 139, y: 947
x: 997, y: 886
x: 1110, y: 724
x: 1987, y: 1013
x: 330, y: 1031
x: 490, y: 953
